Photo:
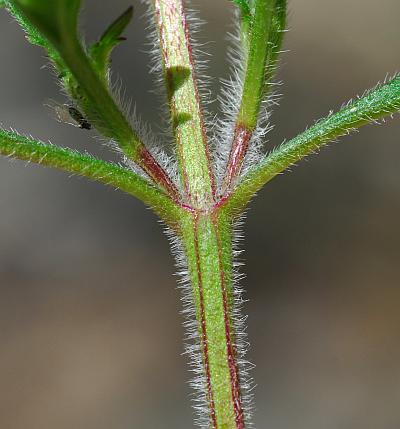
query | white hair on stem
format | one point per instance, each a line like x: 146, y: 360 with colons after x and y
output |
x: 199, y: 69
x: 229, y: 99
x: 239, y: 326
x: 192, y: 340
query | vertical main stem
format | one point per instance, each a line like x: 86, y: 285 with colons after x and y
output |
x: 206, y: 233
x: 207, y: 240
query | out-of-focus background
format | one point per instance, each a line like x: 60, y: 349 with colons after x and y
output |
x: 90, y: 331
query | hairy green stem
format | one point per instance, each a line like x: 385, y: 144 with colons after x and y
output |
x: 206, y: 236
x: 259, y: 50
x: 264, y: 38
x: 202, y: 220
x: 207, y: 241
x: 184, y: 100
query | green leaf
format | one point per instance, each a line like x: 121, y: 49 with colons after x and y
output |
x: 277, y: 31
x: 14, y: 145
x: 53, y: 25
x: 245, y: 21
x: 264, y: 42
x: 34, y: 36
x: 374, y: 106
x: 45, y: 26
x: 2, y: 3
x: 100, y: 51
x: 244, y: 6
x: 55, y: 19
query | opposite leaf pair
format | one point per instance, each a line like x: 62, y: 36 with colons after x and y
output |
x: 213, y: 186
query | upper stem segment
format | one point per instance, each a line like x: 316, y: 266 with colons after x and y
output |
x: 184, y: 101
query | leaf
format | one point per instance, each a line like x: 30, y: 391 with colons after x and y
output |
x: 100, y: 51
x: 264, y: 42
x: 44, y: 29
x: 32, y: 34
x: 53, y: 25
x: 244, y: 6
x: 17, y: 146
x: 278, y: 27
x: 382, y: 102
x: 56, y: 19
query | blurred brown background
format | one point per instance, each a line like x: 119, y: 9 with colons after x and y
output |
x: 89, y: 327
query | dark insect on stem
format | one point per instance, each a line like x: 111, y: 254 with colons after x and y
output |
x: 69, y: 114
x: 77, y: 116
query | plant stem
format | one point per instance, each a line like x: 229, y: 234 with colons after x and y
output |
x: 184, y: 100
x: 207, y: 240
x: 206, y: 235
x: 260, y: 53
x: 202, y: 219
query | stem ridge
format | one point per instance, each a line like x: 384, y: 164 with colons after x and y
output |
x: 203, y: 212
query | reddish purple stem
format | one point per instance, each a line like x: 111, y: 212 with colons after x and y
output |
x: 240, y: 145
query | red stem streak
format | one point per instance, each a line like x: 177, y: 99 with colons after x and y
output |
x: 231, y: 349
x: 167, y: 66
x: 156, y: 172
x: 240, y: 144
x: 203, y: 326
x: 203, y: 129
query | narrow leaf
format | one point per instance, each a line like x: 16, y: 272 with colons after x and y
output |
x: 262, y: 44
x: 245, y: 21
x: 381, y: 102
x: 244, y: 6
x: 100, y: 51
x: 53, y: 25
x: 20, y: 147
x: 265, y: 38
x: 36, y: 38
x: 56, y: 19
